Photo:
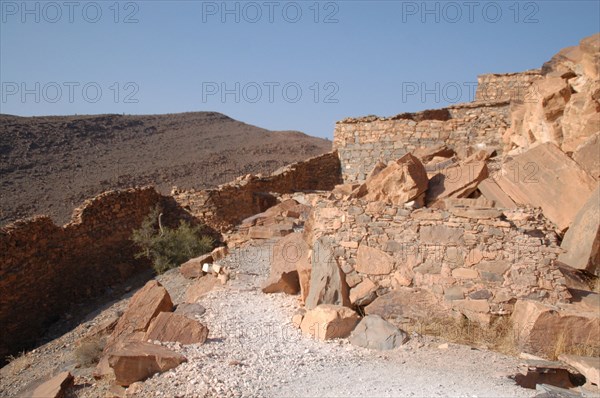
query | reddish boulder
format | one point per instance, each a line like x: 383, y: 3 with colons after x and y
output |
x: 168, y: 326
x: 136, y: 361
x: 287, y: 253
x: 55, y: 387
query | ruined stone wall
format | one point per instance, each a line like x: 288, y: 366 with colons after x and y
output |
x: 229, y: 204
x: 475, y: 263
x: 514, y: 87
x: 362, y: 142
x: 45, y: 268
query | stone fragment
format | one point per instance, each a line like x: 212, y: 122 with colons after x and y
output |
x: 587, y: 155
x: 440, y: 235
x: 55, y: 387
x: 136, y: 361
x: 398, y: 183
x: 327, y: 280
x: 270, y: 231
x: 191, y: 310
x: 587, y: 366
x: 168, y: 326
x: 193, y: 268
x: 287, y: 253
x: 200, y: 288
x: 144, y: 306
x: 493, y: 192
x: 327, y: 321
x: 427, y: 153
x: 541, y: 175
x: 372, y: 261
x: 363, y: 293
x: 546, y: 330
x: 377, y: 334
x: 582, y: 240
x: 457, y: 181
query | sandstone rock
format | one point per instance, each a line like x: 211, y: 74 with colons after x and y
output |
x: 541, y: 175
x: 457, y: 181
x: 297, y: 318
x: 200, y: 288
x: 440, y: 235
x: 327, y: 321
x: 493, y: 192
x: 375, y: 333
x: 327, y: 280
x: 426, y: 154
x: 144, y: 306
x: 363, y: 293
x: 287, y: 253
x: 372, y: 261
x: 304, y: 269
x: 193, y: 268
x: 168, y: 326
x: 587, y: 366
x: 398, y: 183
x: 582, y: 240
x: 343, y: 191
x: 407, y: 304
x: 587, y: 155
x: 55, y: 387
x: 137, y: 361
x: 546, y: 330
x: 271, y: 231
x: 219, y: 253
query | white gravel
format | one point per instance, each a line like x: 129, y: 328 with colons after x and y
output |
x: 254, y: 351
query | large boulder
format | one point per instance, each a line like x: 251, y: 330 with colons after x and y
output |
x: 457, y: 181
x: 545, y: 177
x: 200, y: 288
x: 327, y: 280
x: 192, y: 268
x: 587, y: 155
x: 328, y: 321
x: 376, y: 333
x: 270, y: 231
x: 372, y: 261
x: 56, y: 387
x: 587, y: 366
x: 546, y: 330
x: 168, y: 326
x: 287, y: 253
x: 401, y: 181
x: 143, y: 307
x: 582, y: 240
x: 136, y: 361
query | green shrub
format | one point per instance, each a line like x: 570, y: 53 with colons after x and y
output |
x: 166, y: 247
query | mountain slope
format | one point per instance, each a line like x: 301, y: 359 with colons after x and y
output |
x: 49, y: 165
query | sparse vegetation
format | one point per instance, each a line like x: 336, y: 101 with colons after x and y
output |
x: 166, y: 247
x: 89, y: 351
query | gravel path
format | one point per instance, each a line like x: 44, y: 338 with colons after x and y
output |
x: 254, y: 350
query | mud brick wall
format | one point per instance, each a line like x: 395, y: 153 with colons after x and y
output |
x: 45, y: 268
x: 362, y: 142
x: 467, y: 262
x: 224, y: 207
x: 515, y: 87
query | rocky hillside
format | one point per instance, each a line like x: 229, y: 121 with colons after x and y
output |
x: 49, y: 165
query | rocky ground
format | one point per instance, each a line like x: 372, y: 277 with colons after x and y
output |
x: 254, y: 350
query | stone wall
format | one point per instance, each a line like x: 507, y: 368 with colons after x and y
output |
x: 224, y: 207
x: 514, y: 87
x: 477, y: 262
x: 362, y: 142
x: 45, y: 268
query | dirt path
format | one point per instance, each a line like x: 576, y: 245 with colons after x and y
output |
x: 254, y: 350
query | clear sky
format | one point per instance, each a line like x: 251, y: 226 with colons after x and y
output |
x: 282, y: 65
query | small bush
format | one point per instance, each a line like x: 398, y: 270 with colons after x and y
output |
x: 166, y: 247
x: 89, y: 351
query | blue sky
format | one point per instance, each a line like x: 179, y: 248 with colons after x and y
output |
x: 282, y: 65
